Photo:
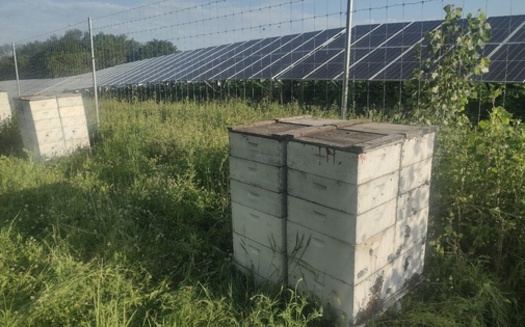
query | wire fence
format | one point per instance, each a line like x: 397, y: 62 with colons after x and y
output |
x: 278, y: 50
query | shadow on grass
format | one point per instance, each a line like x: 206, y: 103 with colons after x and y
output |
x: 10, y: 139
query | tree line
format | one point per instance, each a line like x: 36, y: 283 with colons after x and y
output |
x: 71, y: 54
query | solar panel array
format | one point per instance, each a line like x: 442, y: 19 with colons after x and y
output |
x: 379, y: 52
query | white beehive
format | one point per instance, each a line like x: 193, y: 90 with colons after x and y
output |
x: 357, y: 215
x: 258, y: 191
x: 53, y: 126
x: 5, y: 108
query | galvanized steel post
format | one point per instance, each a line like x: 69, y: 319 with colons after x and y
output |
x: 95, y: 87
x: 16, y: 70
x: 349, y: 16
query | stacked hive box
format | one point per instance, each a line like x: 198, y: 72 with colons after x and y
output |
x: 5, y: 108
x: 53, y: 126
x: 357, y: 215
x: 258, y: 192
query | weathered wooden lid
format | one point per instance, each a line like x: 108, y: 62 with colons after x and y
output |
x: 292, y: 127
x: 362, y: 137
x: 386, y: 128
x: 353, y: 135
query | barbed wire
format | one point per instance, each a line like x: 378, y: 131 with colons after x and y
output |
x: 405, y: 3
x: 260, y: 26
x: 204, y: 20
x: 134, y: 8
x: 158, y: 15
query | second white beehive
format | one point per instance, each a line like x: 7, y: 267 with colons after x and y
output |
x: 53, y: 126
x: 5, y: 108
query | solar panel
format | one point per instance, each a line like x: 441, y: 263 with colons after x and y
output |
x: 507, y: 64
x: 178, y: 73
x: 519, y: 36
x: 261, y: 59
x: 310, y: 42
x: 379, y: 52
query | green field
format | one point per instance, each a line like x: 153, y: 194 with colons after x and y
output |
x: 137, y: 231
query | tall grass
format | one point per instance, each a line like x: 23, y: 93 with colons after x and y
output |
x: 135, y: 232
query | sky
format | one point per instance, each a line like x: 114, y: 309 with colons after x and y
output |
x: 191, y: 24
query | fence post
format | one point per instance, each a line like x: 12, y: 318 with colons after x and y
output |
x: 349, y: 16
x: 95, y: 87
x: 16, y: 70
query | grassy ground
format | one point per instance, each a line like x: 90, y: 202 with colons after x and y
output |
x: 137, y: 232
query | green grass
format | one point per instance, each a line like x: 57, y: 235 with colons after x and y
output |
x: 137, y: 230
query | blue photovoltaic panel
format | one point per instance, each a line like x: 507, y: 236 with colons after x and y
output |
x: 154, y: 70
x: 206, y: 68
x: 225, y: 62
x: 122, y: 77
x: 144, y: 74
x: 507, y: 64
x: 519, y: 37
x: 380, y: 35
x: 307, y: 66
x: 413, y: 34
x: 330, y: 70
x: 178, y: 73
x: 295, y: 55
x: 379, y: 52
x: 253, y: 64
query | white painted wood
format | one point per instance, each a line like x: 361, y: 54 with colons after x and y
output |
x: 417, y: 149
x: 342, y: 301
x: 346, y: 302
x: 47, y: 132
x: 406, y: 269
x: 75, y: 132
x: 341, y: 165
x: 411, y: 231
x: 264, y: 262
x: 69, y: 100
x: 5, y: 108
x: 71, y: 121
x: 72, y: 111
x: 41, y: 103
x: 272, y: 178
x: 50, y: 136
x: 337, y: 297
x: 412, y: 202
x: 346, y: 262
x: 340, y: 225
x: 264, y: 150
x: 46, y: 124
x: 257, y: 226
x: 351, y: 208
x: 50, y: 150
x: 75, y: 144
x: 257, y: 198
x: 43, y: 114
x: 340, y: 195
x: 415, y: 175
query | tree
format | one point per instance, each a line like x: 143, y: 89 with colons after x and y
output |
x: 69, y: 54
x: 153, y: 48
x: 454, y: 57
